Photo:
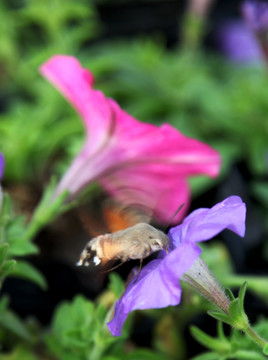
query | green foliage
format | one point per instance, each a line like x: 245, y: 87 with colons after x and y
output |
x: 237, y: 318
x: 236, y: 309
x: 10, y: 322
x: 201, y: 95
x: 14, y: 244
x: 36, y: 123
x: 78, y: 329
x: 236, y: 346
x: 20, y: 352
x: 219, y: 262
x: 116, y: 285
x: 79, y: 332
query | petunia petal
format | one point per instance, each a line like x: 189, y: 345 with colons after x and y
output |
x: 238, y: 43
x: 2, y: 165
x: 75, y: 83
x: 161, y: 192
x: 203, y: 224
x: 164, y: 145
x: 256, y: 15
x: 157, y: 286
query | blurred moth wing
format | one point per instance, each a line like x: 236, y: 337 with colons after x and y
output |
x: 136, y: 239
x: 112, y: 217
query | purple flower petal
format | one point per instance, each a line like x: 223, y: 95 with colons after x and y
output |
x: 256, y: 15
x: 2, y: 165
x: 203, y: 224
x: 238, y: 43
x: 157, y: 286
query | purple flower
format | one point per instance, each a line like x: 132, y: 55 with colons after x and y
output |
x: 158, y: 283
x: 256, y: 15
x: 2, y: 165
x: 238, y: 43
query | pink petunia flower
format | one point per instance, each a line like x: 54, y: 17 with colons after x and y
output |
x: 135, y: 162
x: 158, y: 283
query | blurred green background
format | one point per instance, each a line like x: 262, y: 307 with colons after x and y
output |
x: 158, y: 60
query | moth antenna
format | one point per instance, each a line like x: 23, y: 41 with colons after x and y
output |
x: 172, y: 217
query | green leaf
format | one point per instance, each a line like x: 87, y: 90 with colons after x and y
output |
x: 265, y: 349
x: 116, y: 284
x: 234, y: 309
x: 241, y: 295
x: 143, y: 354
x: 208, y: 341
x: 247, y: 355
x: 6, y: 211
x: 221, y: 317
x: 207, y: 356
x: 27, y: 271
x: 3, y: 252
x: 19, y: 353
x: 73, y: 320
x: 230, y: 294
x: 19, y: 247
x: 4, y: 302
x: 11, y: 322
x: 238, y: 317
x: 7, y: 268
x: 260, y: 190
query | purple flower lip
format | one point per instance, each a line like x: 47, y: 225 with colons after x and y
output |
x: 158, y: 283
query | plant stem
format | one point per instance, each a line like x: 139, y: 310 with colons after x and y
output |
x: 250, y: 332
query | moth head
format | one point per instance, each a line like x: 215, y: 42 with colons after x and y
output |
x: 157, y: 240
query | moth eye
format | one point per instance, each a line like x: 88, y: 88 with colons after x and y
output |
x: 150, y: 237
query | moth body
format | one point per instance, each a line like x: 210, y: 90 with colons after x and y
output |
x: 135, y: 242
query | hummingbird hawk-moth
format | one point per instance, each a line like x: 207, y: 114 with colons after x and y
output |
x: 135, y: 242
x: 137, y: 239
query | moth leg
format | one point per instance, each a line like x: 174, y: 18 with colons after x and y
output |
x: 113, y: 268
x: 141, y: 260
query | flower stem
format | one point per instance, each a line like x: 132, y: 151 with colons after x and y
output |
x: 251, y: 333
x: 47, y: 210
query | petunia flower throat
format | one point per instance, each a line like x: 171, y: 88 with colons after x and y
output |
x: 135, y: 162
x: 158, y: 283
